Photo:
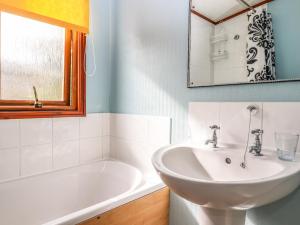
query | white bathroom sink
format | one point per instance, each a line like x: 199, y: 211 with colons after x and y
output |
x: 204, y: 177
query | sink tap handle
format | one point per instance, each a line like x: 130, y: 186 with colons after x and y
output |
x: 257, y: 132
x: 214, y: 127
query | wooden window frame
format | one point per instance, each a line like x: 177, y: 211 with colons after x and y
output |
x: 74, y: 100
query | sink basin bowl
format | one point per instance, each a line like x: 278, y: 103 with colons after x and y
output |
x: 213, y: 178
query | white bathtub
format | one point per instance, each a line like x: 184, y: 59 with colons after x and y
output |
x: 72, y: 195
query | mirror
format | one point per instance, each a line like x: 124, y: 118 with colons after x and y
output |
x: 243, y: 41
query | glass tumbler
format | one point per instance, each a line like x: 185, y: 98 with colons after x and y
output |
x: 286, y: 145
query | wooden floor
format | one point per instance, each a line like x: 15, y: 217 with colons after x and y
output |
x: 152, y: 209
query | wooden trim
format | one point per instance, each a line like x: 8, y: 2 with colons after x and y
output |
x: 152, y: 209
x: 203, y: 17
x: 75, y: 106
x: 231, y: 16
x: 5, y: 103
x: 243, y: 11
x: 68, y: 65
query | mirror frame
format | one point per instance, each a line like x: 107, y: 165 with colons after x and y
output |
x: 223, y: 84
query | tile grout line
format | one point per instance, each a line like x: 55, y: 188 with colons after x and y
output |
x: 78, y: 143
x: 52, y: 150
x: 102, y: 123
x: 19, y: 147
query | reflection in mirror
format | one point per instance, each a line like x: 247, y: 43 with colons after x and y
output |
x: 243, y: 41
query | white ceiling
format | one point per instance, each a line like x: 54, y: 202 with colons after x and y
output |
x: 219, y: 9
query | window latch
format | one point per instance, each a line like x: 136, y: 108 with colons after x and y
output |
x: 37, y: 104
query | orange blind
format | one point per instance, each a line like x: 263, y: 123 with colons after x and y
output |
x: 73, y: 14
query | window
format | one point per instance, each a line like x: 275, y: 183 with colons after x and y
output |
x: 41, y: 69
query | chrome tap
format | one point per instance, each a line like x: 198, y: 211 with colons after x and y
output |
x: 256, y: 147
x: 214, y: 139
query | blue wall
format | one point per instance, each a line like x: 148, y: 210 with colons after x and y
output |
x: 98, y: 86
x: 149, y: 59
x: 286, y: 19
x: 150, y: 65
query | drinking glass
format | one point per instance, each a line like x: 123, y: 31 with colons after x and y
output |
x: 286, y: 145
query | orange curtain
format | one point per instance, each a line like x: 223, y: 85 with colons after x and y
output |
x: 72, y: 14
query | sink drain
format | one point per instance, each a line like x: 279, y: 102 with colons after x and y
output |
x: 228, y: 160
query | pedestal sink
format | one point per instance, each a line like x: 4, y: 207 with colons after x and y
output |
x: 214, y: 179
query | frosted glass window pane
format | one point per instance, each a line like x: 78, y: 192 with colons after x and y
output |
x: 32, y: 54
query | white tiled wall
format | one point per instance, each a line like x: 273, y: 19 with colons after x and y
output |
x: 134, y: 138
x: 32, y: 146
x: 233, y: 118
x: 35, y: 146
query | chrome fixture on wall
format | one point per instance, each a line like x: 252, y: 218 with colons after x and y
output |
x: 37, y: 104
x: 253, y: 109
x: 214, y: 139
x: 256, y: 147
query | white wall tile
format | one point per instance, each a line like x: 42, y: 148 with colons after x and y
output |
x: 50, y: 144
x: 90, y: 126
x: 9, y: 163
x: 40, y: 145
x: 65, y: 154
x: 137, y: 154
x: 36, y: 159
x: 90, y: 150
x: 234, y: 122
x: 159, y: 129
x: 202, y: 115
x: 65, y: 129
x: 105, y: 118
x: 280, y: 117
x: 36, y: 131
x: 105, y: 141
x: 134, y: 138
x: 130, y: 127
x: 9, y: 133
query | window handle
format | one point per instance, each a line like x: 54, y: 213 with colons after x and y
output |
x: 37, y: 104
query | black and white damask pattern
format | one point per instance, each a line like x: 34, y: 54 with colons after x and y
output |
x: 260, y: 46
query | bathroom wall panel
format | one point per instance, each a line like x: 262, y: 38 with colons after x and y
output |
x: 9, y: 163
x: 202, y: 115
x: 68, y: 142
x: 98, y: 57
x: 65, y: 154
x: 150, y: 66
x: 233, y: 119
x: 152, y: 209
x: 36, y: 159
x: 42, y: 145
x: 234, y: 122
x: 35, y: 131
x: 134, y: 138
x: 9, y: 133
